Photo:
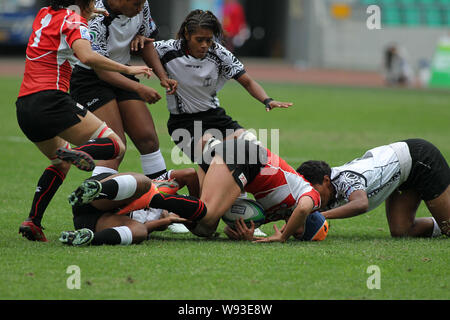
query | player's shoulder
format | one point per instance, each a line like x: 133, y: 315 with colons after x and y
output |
x: 225, y: 56
x: 165, y: 46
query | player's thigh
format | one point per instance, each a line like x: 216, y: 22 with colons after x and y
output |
x: 138, y: 230
x: 83, y: 130
x: 401, y: 210
x: 138, y: 124
x: 440, y: 210
x: 219, y: 191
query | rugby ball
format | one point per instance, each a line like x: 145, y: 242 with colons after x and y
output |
x: 316, y: 227
x: 247, y: 209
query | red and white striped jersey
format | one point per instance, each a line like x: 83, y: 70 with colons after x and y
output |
x: 278, y: 188
x: 49, y: 57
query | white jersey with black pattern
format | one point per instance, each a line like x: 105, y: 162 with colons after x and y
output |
x: 199, y: 80
x: 377, y: 172
x: 111, y: 36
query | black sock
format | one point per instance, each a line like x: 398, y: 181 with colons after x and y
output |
x: 107, y: 236
x: 187, y: 207
x: 100, y: 148
x: 109, y: 189
x: 46, y: 188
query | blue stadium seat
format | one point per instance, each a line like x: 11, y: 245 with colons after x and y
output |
x: 391, y: 16
x: 412, y: 16
x: 433, y: 17
x: 446, y: 18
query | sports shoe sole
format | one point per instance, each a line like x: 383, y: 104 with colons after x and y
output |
x: 77, y: 238
x: 85, y: 193
x: 79, y: 159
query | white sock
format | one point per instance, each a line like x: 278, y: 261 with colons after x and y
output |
x: 100, y: 169
x: 153, y: 163
x: 436, y: 230
x: 127, y: 186
x: 126, y: 236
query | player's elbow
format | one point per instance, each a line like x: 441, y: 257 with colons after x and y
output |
x: 363, y: 205
x: 85, y: 59
x: 88, y: 58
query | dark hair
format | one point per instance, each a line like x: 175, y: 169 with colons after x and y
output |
x: 60, y: 4
x: 201, y: 19
x: 314, y: 171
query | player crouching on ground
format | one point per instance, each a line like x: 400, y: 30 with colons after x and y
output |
x: 239, y: 165
x: 102, y: 204
x: 402, y: 173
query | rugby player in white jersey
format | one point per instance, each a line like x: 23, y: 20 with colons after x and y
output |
x: 118, y: 99
x: 401, y: 174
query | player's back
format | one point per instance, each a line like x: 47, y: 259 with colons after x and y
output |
x: 278, y: 187
x: 377, y: 172
x: 49, y: 56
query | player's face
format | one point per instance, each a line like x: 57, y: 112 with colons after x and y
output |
x: 131, y: 8
x: 325, y: 190
x: 199, y: 42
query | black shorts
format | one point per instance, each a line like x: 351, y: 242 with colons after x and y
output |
x: 244, y: 159
x: 86, y: 216
x: 45, y: 114
x: 430, y: 173
x: 87, y: 89
x: 214, y: 119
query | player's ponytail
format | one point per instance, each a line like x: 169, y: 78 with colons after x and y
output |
x: 200, y: 19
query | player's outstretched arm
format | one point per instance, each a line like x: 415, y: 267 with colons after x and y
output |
x: 358, y: 204
x: 295, y: 224
x: 258, y: 92
x: 83, y: 51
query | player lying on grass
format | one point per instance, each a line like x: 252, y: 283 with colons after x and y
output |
x: 402, y: 174
x: 107, y: 208
x: 234, y: 166
x: 46, y: 113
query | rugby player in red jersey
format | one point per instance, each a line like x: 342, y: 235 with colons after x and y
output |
x: 46, y: 113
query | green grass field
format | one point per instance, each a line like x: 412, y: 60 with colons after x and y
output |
x: 335, y: 124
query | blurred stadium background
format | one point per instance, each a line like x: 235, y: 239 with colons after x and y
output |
x: 305, y: 40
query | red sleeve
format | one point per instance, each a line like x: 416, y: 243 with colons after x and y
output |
x: 74, y: 28
x: 315, y: 196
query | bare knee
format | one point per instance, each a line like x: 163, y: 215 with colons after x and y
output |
x: 399, y: 233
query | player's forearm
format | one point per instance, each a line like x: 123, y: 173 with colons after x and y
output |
x: 350, y: 209
x: 83, y: 51
x: 151, y: 59
x: 157, y: 225
x: 254, y: 88
x: 117, y: 80
x: 296, y: 223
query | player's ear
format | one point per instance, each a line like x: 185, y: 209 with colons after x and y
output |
x: 326, y: 180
